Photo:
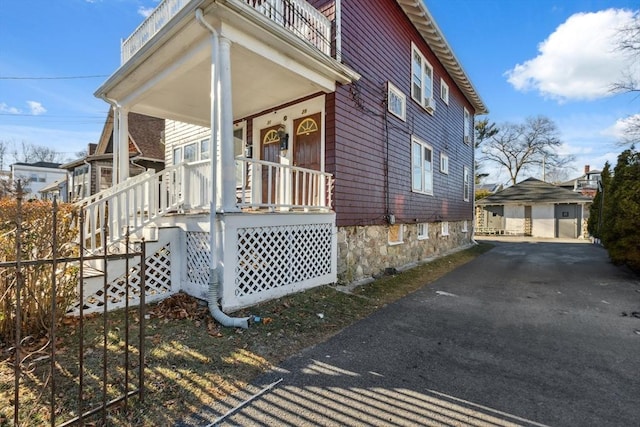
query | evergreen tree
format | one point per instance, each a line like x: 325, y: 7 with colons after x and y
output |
x: 594, y: 225
x: 621, y: 214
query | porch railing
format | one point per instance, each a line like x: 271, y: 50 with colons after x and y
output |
x: 132, y: 205
x: 297, y: 16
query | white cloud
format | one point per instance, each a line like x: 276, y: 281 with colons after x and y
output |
x: 579, y: 60
x: 36, y: 108
x: 4, y: 108
x: 145, y: 11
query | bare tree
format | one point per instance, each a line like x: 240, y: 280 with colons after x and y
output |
x: 4, y: 146
x: 30, y: 153
x: 520, y: 147
x: 628, y: 42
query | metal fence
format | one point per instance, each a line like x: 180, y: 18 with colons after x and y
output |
x: 113, y: 377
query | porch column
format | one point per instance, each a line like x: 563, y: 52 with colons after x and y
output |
x: 116, y: 135
x: 227, y: 155
x: 121, y: 143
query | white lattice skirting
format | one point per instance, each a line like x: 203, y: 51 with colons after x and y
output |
x: 275, y: 256
x: 158, y: 283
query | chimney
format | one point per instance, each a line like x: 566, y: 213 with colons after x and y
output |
x: 586, y: 169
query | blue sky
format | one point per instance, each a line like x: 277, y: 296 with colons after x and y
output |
x: 525, y: 58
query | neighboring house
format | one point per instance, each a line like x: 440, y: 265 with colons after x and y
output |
x: 57, y: 190
x: 94, y: 172
x: 587, y: 184
x: 534, y: 208
x: 488, y: 188
x: 35, y: 176
x: 342, y: 144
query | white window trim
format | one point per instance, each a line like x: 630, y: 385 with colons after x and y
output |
x: 445, y: 228
x: 444, y: 91
x: 465, y: 226
x: 423, y: 145
x: 425, y: 234
x: 444, y: 163
x: 392, y: 90
x: 466, y: 133
x: 400, y: 240
x: 426, y: 102
x: 466, y: 184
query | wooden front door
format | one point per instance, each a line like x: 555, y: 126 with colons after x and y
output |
x: 306, y: 154
x: 270, y: 152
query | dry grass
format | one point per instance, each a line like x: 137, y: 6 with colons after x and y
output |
x: 190, y: 361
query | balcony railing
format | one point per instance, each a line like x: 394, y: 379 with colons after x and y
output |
x: 187, y: 187
x: 297, y: 16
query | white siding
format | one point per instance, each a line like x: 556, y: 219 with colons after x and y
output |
x: 542, y: 221
x: 179, y: 133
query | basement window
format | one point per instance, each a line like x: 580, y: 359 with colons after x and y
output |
x: 396, y: 234
x: 423, y: 231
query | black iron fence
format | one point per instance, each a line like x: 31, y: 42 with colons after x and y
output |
x: 69, y: 370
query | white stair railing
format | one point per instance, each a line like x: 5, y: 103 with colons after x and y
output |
x: 140, y: 201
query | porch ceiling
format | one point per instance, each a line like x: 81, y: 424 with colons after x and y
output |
x: 170, y: 77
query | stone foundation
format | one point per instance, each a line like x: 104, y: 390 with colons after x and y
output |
x: 365, y: 252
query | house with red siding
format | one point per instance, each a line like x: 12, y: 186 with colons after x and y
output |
x: 302, y: 147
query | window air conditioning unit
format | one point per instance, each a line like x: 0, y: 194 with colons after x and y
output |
x: 430, y: 104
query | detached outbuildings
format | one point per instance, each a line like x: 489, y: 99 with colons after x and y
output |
x: 534, y: 208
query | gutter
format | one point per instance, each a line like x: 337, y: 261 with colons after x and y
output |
x: 214, y: 273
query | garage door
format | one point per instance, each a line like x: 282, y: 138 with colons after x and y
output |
x: 567, y: 220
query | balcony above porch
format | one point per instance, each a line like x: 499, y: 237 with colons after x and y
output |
x: 297, y: 16
x: 280, y: 51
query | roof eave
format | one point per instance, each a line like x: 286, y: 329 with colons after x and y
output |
x: 421, y: 18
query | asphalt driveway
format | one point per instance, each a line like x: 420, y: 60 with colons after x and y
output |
x: 530, y: 333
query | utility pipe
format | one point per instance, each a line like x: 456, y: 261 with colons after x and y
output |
x: 214, y: 233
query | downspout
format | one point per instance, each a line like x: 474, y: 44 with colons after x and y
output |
x: 214, y: 273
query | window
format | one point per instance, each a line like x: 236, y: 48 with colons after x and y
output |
x: 467, y: 127
x: 189, y: 152
x: 105, y: 178
x: 444, y: 163
x: 423, y: 231
x: 465, y: 226
x: 444, y: 91
x: 177, y: 155
x: 466, y: 187
x: 422, y: 167
x: 422, y: 80
x: 204, y: 149
x: 396, y: 232
x: 396, y: 101
x: 238, y: 151
x: 445, y: 228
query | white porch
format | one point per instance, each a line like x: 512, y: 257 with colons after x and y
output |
x: 212, y: 63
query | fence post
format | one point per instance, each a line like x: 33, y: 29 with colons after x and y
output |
x: 16, y: 365
x: 54, y: 296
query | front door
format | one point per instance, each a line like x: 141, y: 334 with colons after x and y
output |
x: 270, y: 152
x: 306, y: 154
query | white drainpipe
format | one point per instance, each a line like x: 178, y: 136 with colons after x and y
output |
x: 214, y: 273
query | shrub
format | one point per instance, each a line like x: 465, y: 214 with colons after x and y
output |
x: 36, y: 252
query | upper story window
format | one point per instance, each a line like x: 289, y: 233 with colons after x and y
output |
x: 444, y: 91
x: 467, y: 127
x: 466, y: 187
x: 396, y: 101
x: 421, y: 167
x: 422, y: 80
x: 444, y: 163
